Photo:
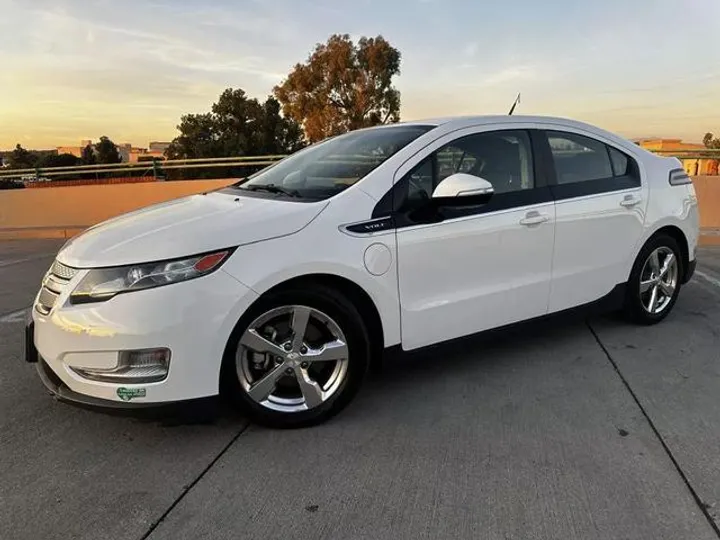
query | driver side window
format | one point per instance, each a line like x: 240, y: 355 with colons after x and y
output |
x: 503, y: 158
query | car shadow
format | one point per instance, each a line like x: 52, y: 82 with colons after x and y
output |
x: 488, y: 346
x: 508, y: 347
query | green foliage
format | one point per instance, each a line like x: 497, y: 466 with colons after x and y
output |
x: 58, y: 160
x: 88, y: 155
x: 710, y: 141
x: 21, y: 158
x: 106, y: 151
x: 236, y: 126
x: 343, y: 86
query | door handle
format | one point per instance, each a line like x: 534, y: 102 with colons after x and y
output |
x: 534, y: 218
x: 629, y: 201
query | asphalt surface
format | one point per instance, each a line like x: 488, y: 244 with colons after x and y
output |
x: 569, y: 428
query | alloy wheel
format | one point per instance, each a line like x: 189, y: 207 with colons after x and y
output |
x: 292, y: 358
x: 658, y: 280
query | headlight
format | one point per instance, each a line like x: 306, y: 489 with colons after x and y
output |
x: 104, y: 283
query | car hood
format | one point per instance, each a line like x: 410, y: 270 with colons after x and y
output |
x: 187, y: 226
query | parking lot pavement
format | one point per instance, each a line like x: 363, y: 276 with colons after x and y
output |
x: 673, y: 370
x: 522, y: 438
x: 551, y: 430
x: 22, y: 265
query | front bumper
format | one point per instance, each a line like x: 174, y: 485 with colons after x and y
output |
x: 193, y: 319
x: 62, y: 392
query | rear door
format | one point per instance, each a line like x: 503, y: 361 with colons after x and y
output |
x: 600, y: 201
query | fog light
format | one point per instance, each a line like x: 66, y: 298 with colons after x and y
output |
x: 140, y: 366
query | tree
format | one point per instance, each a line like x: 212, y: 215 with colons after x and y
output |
x: 106, y: 151
x: 278, y: 135
x: 58, y: 160
x: 342, y: 87
x: 22, y: 159
x: 88, y: 155
x: 710, y: 141
x: 237, y: 125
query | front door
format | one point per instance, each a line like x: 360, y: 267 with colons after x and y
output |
x: 462, y: 270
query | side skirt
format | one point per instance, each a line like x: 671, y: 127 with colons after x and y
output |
x: 610, y: 302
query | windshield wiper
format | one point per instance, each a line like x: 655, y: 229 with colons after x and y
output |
x: 272, y: 188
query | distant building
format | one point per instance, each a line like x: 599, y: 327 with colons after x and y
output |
x: 134, y: 154
x: 694, y: 167
x: 128, y: 153
x: 158, y: 146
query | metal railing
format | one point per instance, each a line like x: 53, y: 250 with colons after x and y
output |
x: 155, y: 168
x: 709, y: 153
x: 158, y: 169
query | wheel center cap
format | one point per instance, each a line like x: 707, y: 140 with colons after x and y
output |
x: 293, y: 356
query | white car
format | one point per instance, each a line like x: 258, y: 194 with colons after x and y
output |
x: 278, y: 291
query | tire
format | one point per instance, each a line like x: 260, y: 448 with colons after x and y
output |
x: 644, y: 277
x: 291, y: 404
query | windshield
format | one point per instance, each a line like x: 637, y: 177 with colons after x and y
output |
x: 327, y: 168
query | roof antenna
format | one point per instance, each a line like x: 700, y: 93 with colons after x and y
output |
x: 512, y: 109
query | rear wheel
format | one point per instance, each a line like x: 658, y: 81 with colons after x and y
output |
x: 297, y: 358
x: 654, y: 283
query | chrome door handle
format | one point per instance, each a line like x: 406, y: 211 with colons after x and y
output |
x: 534, y: 218
x: 629, y: 201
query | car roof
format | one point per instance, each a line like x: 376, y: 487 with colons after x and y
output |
x: 451, y: 123
x: 498, y: 118
x: 455, y: 122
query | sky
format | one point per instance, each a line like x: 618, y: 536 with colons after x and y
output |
x: 79, y: 69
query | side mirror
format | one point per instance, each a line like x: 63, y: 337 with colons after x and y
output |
x: 461, y: 189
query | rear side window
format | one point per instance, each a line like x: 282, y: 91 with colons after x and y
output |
x: 586, y: 165
x: 578, y: 158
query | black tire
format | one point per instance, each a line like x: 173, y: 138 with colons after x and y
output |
x: 633, y: 308
x: 332, y: 303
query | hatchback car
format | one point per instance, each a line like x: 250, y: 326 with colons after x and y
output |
x: 278, y: 290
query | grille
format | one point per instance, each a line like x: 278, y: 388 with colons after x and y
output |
x: 63, y: 272
x: 53, y: 285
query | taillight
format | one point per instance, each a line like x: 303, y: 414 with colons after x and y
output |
x: 679, y: 177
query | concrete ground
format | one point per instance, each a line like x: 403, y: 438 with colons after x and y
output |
x: 562, y: 429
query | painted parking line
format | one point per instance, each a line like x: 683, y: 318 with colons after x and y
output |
x: 23, y: 260
x: 15, y: 317
x: 707, y: 277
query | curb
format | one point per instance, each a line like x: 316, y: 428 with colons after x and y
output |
x: 709, y: 237
x: 40, y: 233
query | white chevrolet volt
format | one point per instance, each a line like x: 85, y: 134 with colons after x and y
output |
x: 277, y: 291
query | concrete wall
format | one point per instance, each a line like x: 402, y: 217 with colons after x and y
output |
x: 708, y: 193
x: 60, y: 212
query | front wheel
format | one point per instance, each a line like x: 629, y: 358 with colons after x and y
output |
x: 297, y: 358
x: 654, y: 283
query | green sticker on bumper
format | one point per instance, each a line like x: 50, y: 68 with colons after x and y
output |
x: 126, y: 394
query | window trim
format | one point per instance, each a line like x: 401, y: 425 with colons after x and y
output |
x: 632, y: 164
x: 586, y: 188
x: 541, y: 193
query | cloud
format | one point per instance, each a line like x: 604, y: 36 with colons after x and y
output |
x: 498, y: 78
x: 471, y: 49
x: 187, y: 46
